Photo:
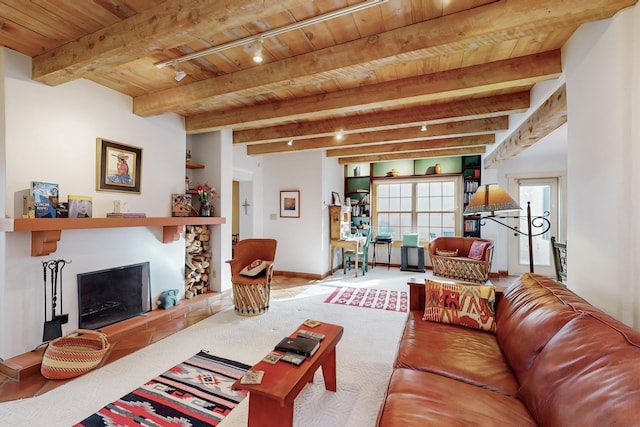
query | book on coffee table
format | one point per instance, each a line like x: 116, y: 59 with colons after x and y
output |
x: 298, y: 345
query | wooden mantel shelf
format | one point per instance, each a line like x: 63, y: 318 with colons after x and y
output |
x: 46, y: 232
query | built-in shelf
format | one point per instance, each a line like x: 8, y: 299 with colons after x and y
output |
x: 46, y: 232
x: 192, y: 165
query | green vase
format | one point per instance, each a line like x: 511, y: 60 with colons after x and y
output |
x: 206, y: 209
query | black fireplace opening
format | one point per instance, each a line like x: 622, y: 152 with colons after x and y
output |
x: 113, y: 295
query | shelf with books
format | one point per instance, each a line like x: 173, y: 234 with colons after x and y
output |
x: 46, y: 232
x: 471, y: 170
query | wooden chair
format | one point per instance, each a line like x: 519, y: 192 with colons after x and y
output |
x: 363, y: 255
x: 251, y: 294
x: 560, y: 259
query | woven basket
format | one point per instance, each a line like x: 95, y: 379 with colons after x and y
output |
x: 74, y: 354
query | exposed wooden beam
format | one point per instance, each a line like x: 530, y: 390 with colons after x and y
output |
x: 407, y: 147
x: 499, y: 21
x: 170, y: 24
x: 491, y: 106
x: 548, y: 117
x: 467, y: 127
x: 415, y: 155
x: 518, y: 72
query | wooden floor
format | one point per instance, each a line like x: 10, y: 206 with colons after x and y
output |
x: 283, y: 287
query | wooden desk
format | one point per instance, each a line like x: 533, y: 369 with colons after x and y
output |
x: 271, y: 402
x: 350, y: 243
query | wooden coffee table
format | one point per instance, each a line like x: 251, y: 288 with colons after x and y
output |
x: 271, y: 402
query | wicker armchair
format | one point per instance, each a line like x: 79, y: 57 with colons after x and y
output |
x: 251, y: 293
x: 450, y: 259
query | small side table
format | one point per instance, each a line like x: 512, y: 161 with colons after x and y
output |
x: 386, y: 243
x: 404, y: 266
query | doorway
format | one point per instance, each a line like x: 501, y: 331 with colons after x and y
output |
x: 543, y: 194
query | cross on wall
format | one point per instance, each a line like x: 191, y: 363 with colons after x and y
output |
x: 245, y: 205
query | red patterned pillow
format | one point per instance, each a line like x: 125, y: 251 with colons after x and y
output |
x: 472, y: 306
x: 477, y: 250
x: 256, y: 267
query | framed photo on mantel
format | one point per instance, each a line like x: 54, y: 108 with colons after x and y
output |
x: 118, y: 167
x: 290, y: 204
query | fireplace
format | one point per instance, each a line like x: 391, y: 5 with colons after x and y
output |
x: 112, y: 295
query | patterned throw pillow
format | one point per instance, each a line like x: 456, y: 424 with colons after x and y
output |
x: 477, y: 250
x: 256, y: 267
x: 472, y: 306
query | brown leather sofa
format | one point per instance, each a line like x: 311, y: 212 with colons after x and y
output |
x: 555, y: 360
x: 460, y: 266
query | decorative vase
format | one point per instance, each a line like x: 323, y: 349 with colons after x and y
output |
x: 205, y: 209
x: 438, y: 168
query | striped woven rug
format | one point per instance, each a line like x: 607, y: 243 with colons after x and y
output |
x: 196, y: 392
x: 370, y: 298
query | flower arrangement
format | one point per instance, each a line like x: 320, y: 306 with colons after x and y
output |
x: 206, y: 193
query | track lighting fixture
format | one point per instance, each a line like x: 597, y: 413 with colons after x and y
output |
x: 340, y: 134
x: 257, y: 54
x: 290, y: 143
x: 423, y: 128
x: 259, y: 38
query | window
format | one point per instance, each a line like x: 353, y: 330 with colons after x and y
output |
x: 427, y: 206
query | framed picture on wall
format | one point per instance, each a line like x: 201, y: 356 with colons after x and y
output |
x: 118, y: 167
x: 335, y: 198
x: 290, y: 204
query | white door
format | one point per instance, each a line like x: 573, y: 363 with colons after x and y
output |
x: 542, y: 194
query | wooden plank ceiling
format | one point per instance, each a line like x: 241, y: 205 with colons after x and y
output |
x: 461, y: 67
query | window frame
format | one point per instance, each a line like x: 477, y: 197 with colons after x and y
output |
x: 458, y: 202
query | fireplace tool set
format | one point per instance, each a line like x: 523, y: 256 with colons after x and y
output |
x: 53, y: 324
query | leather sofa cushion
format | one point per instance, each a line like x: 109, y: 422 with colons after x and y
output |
x: 418, y: 398
x: 588, y: 374
x: 529, y: 314
x: 465, y: 354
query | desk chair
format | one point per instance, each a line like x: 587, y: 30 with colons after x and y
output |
x: 362, y: 254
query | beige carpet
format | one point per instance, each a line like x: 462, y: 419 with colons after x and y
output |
x: 364, y: 359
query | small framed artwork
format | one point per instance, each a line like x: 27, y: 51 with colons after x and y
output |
x: 118, y: 167
x: 335, y: 198
x: 290, y: 204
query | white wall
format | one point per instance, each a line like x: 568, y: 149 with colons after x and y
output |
x: 50, y: 135
x: 302, y: 242
x: 603, y: 79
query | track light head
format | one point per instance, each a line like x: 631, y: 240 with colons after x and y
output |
x: 340, y: 134
x: 257, y: 54
x: 180, y: 75
x: 423, y: 128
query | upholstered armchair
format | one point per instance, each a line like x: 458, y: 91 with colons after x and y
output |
x: 251, y: 274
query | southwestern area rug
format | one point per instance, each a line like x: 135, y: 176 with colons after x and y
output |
x: 196, y: 392
x: 370, y: 298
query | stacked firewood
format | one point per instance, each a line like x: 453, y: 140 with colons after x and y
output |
x: 197, y: 260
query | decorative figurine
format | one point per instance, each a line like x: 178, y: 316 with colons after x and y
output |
x: 168, y: 299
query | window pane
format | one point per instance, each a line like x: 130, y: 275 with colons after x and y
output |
x: 426, y: 206
x: 394, y: 190
x: 435, y: 204
x: 448, y: 203
x: 448, y: 188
